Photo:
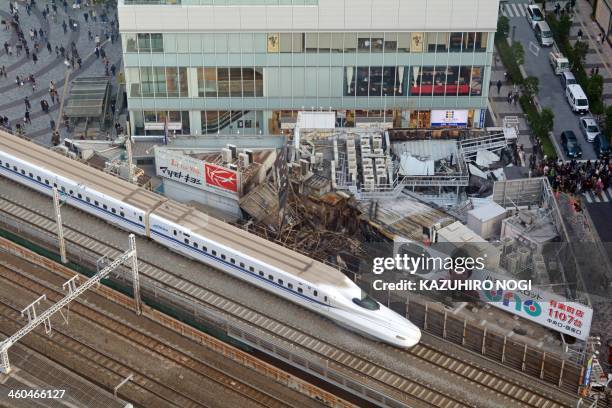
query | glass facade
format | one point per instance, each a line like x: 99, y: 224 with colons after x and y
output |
x: 238, y: 80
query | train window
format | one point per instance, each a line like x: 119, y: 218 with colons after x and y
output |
x: 270, y: 277
x: 80, y: 196
x: 105, y: 206
x: 0, y: 162
x: 325, y: 298
x: 251, y: 269
x: 122, y: 214
x: 186, y: 241
x: 97, y: 203
x: 187, y: 235
x: 140, y: 218
x: 315, y: 293
x: 242, y: 264
x: 280, y: 282
x: 195, y: 245
x: 366, y: 302
x: 71, y: 192
x: 31, y: 175
x: 232, y: 260
x: 64, y: 190
x: 88, y: 199
x: 204, y: 249
x: 55, y: 185
x: 38, y: 178
x: 114, y: 211
x: 7, y: 164
x: 223, y: 256
x: 23, y: 172
x: 290, y: 285
x: 15, y: 168
x: 300, y: 290
x: 261, y: 273
x: 175, y: 233
x: 46, y: 182
x: 214, y: 252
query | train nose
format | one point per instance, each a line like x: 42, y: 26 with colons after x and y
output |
x: 408, y: 340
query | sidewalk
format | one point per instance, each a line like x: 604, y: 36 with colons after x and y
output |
x: 501, y: 108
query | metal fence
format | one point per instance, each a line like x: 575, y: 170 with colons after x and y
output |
x: 548, y: 367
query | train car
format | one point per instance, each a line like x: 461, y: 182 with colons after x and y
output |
x: 290, y: 275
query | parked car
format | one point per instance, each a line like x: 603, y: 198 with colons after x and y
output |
x: 534, y: 15
x: 544, y: 34
x: 570, y: 144
x: 589, y: 128
x: 567, y: 78
x: 577, y: 99
x: 601, y: 145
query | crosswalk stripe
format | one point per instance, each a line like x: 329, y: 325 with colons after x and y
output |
x: 596, y: 198
x: 508, y: 11
x: 588, y: 198
x: 609, y: 190
x: 521, y: 8
x: 604, y: 196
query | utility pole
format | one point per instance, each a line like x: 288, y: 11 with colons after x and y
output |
x: 35, y: 320
x: 60, y: 227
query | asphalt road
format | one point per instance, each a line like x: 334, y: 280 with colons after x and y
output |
x: 551, y: 93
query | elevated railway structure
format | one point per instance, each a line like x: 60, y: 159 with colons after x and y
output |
x: 423, y: 376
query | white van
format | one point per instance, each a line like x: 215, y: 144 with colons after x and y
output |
x: 544, y: 34
x: 577, y: 99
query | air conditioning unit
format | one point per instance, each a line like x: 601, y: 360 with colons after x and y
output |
x: 249, y: 153
x: 304, y: 167
x: 226, y: 155
x: 319, y: 158
x: 243, y: 159
x: 234, y: 150
x: 378, y: 152
x: 232, y: 166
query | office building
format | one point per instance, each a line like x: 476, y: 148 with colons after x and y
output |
x: 248, y: 66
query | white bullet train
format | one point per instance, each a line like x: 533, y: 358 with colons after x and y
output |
x: 269, y: 266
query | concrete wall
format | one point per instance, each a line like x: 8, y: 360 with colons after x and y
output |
x: 331, y: 15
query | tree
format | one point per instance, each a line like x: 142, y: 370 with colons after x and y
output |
x: 578, y: 54
x: 563, y: 28
x: 531, y: 86
x: 518, y: 52
x: 594, y: 92
x: 547, y: 121
x: 608, y: 122
x: 503, y: 26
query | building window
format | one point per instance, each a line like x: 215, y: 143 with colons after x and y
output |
x: 445, y: 81
x: 374, y: 81
x: 144, y: 42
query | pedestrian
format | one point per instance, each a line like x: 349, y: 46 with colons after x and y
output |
x: 113, y: 69
x: 86, y: 16
x: 26, y: 117
x: 27, y: 103
x: 597, y: 71
x: 515, y: 98
x: 499, y: 85
x: 52, y: 124
x: 41, y: 33
x: 17, y: 80
x: 599, y: 38
x: 580, y: 33
x: 97, y: 51
x: 102, y: 53
x: 97, y: 39
x: 79, y: 62
x: 557, y: 9
x: 62, y: 51
x: 34, y: 58
x: 65, y: 27
x: 42, y: 105
x: 592, y: 71
x: 49, y: 48
x: 89, y: 35
x: 509, y: 97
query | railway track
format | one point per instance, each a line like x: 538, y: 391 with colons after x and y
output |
x: 145, y: 382
x: 401, y: 390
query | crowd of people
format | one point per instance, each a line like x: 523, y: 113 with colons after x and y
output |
x: 577, y: 177
x: 30, y: 39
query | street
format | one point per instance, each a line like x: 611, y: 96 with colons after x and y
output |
x: 551, y: 93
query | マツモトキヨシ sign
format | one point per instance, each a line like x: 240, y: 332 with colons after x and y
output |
x: 217, y: 176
